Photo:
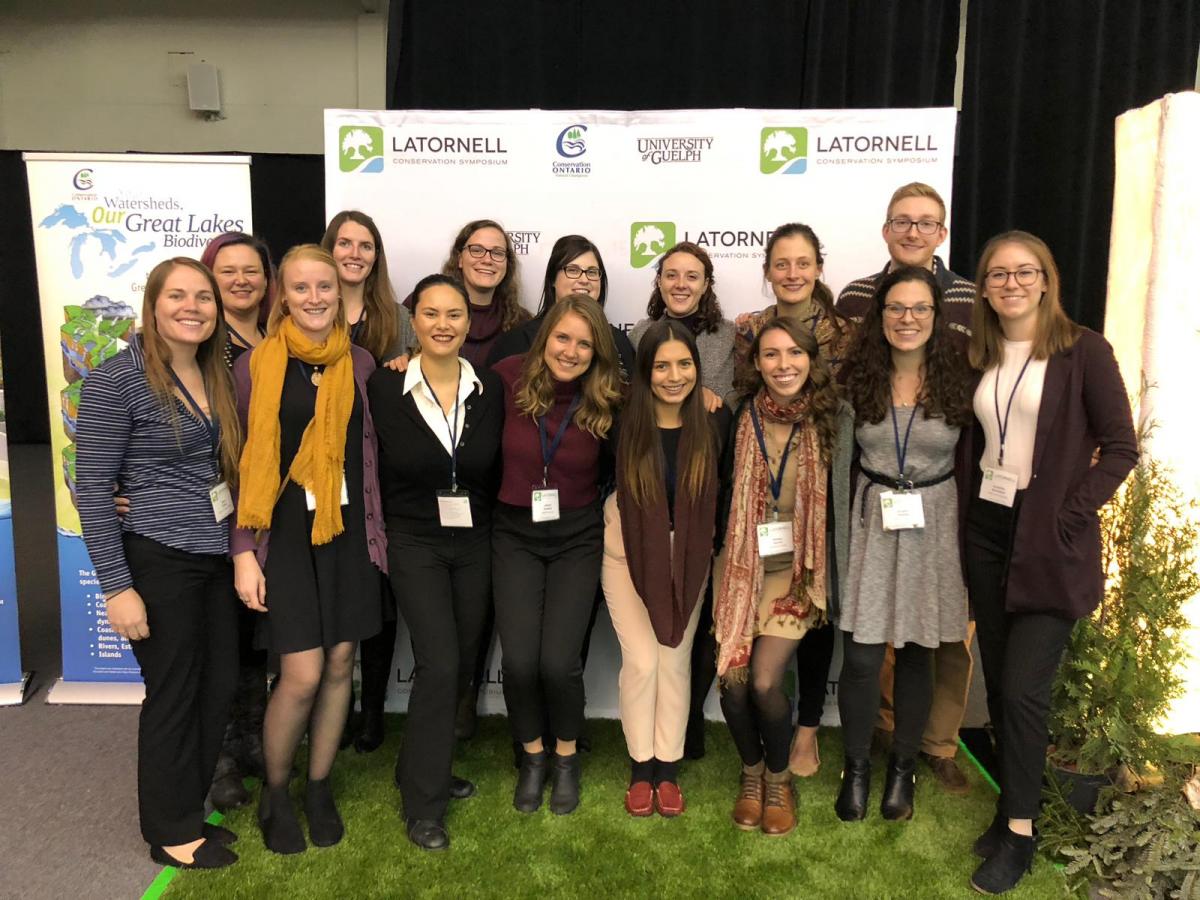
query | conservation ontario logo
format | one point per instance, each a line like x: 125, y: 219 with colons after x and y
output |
x: 783, y: 150
x: 360, y: 148
x: 648, y: 241
x: 571, y: 144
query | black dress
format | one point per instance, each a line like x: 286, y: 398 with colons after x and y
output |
x: 317, y: 596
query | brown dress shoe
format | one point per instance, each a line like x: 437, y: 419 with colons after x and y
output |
x: 779, y: 810
x: 948, y: 774
x: 748, y: 810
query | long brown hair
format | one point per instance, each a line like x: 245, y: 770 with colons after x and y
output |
x: 820, y: 386
x: 600, y: 385
x: 869, y: 364
x: 821, y: 292
x: 507, y: 292
x: 708, y: 313
x: 640, y: 459
x: 210, y: 357
x: 1055, y: 331
x: 379, y: 301
x: 279, y: 308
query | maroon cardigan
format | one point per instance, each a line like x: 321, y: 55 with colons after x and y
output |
x: 1055, y: 563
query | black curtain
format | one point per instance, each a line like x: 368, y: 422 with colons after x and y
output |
x: 1042, y: 86
x: 620, y: 54
x: 288, y: 204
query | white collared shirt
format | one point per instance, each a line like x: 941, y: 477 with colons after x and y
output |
x: 431, y: 411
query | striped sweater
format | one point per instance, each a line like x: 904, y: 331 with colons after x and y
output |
x: 958, y: 295
x: 162, y: 458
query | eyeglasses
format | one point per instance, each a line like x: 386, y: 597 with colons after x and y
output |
x: 903, y: 225
x: 574, y: 271
x: 1026, y: 276
x: 920, y: 311
x: 478, y: 251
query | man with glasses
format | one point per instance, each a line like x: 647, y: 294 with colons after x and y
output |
x: 915, y: 227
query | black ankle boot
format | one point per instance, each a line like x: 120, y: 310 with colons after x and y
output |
x: 325, y: 826
x: 531, y: 781
x: 370, y: 731
x: 277, y: 819
x: 564, y: 785
x: 989, y: 842
x: 1002, y: 871
x: 851, y: 805
x: 897, y: 800
x: 227, y: 791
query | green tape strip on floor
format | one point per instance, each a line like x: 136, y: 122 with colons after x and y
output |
x: 987, y: 776
x: 159, y: 884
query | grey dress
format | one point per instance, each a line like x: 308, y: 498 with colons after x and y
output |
x: 906, y: 586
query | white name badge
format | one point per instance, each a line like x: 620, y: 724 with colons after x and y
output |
x: 310, y: 499
x: 222, y: 501
x: 998, y: 486
x: 454, y: 509
x: 901, y: 510
x: 544, y: 504
x: 775, y: 538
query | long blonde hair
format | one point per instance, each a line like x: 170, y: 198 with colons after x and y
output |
x: 210, y: 357
x: 1055, y: 331
x: 600, y: 385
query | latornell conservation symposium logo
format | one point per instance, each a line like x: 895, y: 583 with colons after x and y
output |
x: 783, y: 150
x: 360, y: 148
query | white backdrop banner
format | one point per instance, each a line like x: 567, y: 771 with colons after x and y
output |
x: 634, y: 183
x: 101, y: 222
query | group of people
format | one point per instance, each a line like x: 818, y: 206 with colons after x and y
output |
x: 923, y: 457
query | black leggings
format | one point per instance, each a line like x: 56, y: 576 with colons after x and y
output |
x: 858, y: 695
x: 757, y: 711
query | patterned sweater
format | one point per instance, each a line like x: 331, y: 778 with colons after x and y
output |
x: 958, y: 295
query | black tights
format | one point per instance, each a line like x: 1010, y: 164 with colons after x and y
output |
x: 858, y: 695
x: 758, y: 712
x: 313, y: 692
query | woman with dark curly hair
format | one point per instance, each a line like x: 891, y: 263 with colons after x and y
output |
x: 771, y: 573
x: 904, y: 583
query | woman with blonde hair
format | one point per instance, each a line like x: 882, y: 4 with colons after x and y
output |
x: 310, y: 495
x: 159, y: 418
x: 547, y: 534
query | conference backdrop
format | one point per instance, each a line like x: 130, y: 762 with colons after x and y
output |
x: 101, y: 222
x: 635, y: 183
x: 11, y: 677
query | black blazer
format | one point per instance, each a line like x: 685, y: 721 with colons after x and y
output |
x: 414, y: 464
x: 1055, y: 562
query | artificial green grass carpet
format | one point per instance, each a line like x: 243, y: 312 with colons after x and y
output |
x: 600, y: 851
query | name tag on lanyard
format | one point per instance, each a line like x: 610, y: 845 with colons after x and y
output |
x: 543, y: 498
x: 775, y: 538
x: 998, y: 486
x: 454, y: 509
x: 902, y: 510
x: 310, y: 499
x: 543, y: 504
x: 222, y: 501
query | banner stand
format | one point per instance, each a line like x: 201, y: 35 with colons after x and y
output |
x: 101, y: 693
x: 14, y: 694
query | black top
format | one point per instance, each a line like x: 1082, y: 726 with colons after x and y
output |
x: 520, y: 339
x: 414, y: 464
x: 670, y: 448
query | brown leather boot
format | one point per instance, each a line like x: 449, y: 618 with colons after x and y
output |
x: 748, y: 810
x: 779, y: 809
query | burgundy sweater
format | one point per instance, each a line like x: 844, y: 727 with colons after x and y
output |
x: 575, y: 470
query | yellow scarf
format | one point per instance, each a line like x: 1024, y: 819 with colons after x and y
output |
x: 320, y: 462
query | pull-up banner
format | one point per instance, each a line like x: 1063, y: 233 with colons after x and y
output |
x: 12, y: 679
x: 635, y: 183
x: 101, y: 222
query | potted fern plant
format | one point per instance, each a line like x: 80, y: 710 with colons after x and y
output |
x: 1119, y: 673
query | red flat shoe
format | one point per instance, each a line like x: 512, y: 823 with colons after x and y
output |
x: 668, y: 799
x: 639, y: 799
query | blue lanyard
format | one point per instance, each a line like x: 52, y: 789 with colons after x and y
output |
x: 453, y: 428
x: 549, y: 451
x: 1003, y: 423
x: 774, y: 481
x: 902, y: 452
x: 211, y: 426
x: 238, y: 339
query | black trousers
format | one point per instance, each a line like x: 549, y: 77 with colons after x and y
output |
x: 442, y: 586
x: 858, y: 695
x: 1020, y: 653
x: 544, y: 577
x: 375, y: 654
x: 190, y: 667
x: 813, y: 658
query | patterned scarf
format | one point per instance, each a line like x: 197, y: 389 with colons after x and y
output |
x: 319, y: 464
x: 735, y: 611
